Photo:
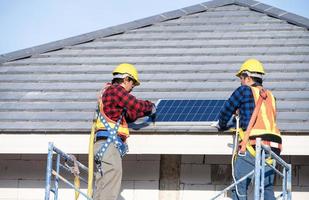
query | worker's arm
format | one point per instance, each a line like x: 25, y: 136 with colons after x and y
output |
x: 230, y: 107
x: 135, y: 108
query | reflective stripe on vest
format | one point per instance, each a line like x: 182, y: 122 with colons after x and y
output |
x: 249, y: 147
x: 266, y: 119
x: 268, y: 143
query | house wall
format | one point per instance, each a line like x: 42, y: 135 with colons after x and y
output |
x: 22, y: 177
x: 204, y: 175
x: 144, y: 143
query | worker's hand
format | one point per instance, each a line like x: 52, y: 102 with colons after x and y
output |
x: 153, y: 114
x: 154, y: 109
x: 242, y: 150
x: 216, y: 125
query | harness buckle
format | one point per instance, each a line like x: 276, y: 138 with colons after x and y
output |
x: 242, y: 154
x: 98, y: 161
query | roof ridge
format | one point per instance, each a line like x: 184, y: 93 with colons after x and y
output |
x: 275, y: 12
x: 148, y: 21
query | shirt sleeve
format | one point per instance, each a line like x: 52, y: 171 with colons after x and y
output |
x: 230, y: 106
x: 135, y: 108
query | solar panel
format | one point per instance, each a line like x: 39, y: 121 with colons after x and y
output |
x: 188, y: 110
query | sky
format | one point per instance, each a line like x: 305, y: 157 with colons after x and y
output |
x: 28, y: 23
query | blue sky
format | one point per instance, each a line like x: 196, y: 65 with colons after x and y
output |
x: 27, y: 23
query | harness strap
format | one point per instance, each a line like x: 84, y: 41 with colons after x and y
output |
x: 250, y: 149
x: 75, y: 171
x: 112, y: 138
x: 262, y: 97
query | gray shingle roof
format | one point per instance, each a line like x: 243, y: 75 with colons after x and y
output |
x: 190, y: 53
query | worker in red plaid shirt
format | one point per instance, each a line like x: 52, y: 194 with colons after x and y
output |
x: 116, y: 104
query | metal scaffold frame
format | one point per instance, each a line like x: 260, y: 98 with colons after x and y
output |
x: 259, y: 173
x: 50, y: 172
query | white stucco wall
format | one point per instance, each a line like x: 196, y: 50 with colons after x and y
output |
x: 22, y: 177
x: 203, y: 176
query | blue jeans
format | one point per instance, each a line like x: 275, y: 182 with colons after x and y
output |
x: 242, y: 166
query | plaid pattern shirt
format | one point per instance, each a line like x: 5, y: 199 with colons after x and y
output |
x: 115, y: 98
x: 242, y: 99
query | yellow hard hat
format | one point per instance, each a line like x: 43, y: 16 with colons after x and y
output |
x: 126, y: 68
x: 251, y: 65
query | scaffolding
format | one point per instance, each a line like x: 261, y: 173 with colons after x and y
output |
x: 62, y: 162
x: 259, y: 173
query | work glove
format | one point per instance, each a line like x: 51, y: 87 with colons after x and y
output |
x: 217, y: 126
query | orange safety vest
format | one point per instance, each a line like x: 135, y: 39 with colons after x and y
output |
x: 123, y: 130
x: 265, y: 125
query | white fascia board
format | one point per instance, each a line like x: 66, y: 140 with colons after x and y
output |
x: 140, y: 144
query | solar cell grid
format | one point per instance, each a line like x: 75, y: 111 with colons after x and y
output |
x: 188, y: 110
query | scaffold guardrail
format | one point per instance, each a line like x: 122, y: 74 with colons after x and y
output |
x: 55, y: 173
x: 259, y: 173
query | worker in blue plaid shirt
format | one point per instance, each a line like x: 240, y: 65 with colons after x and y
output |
x: 242, y: 102
x: 241, y: 99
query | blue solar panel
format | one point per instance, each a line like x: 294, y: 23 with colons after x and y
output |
x: 188, y: 110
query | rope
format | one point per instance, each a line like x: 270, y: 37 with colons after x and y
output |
x: 75, y: 171
x: 90, y: 161
x: 235, y: 148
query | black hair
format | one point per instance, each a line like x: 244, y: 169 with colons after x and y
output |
x: 121, y: 80
x: 117, y: 80
x: 132, y: 79
x: 255, y: 79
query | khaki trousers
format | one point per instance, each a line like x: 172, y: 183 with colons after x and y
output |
x: 107, y: 187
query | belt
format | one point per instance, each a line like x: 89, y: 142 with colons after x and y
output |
x: 100, y: 135
x: 104, y: 134
x: 100, y: 138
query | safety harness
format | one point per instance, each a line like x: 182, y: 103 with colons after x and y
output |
x: 262, y: 96
x: 244, y: 137
x: 104, y: 129
x: 111, y: 137
x: 246, y: 144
